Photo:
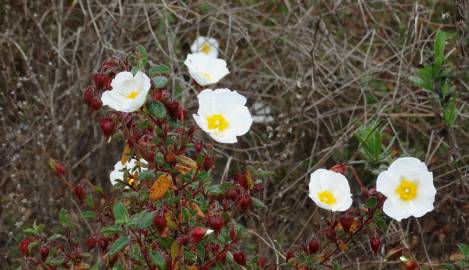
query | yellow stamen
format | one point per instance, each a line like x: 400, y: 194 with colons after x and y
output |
x: 407, y: 190
x: 132, y: 95
x: 326, y: 197
x: 206, y: 75
x: 217, y: 121
x: 205, y: 48
x: 132, y: 182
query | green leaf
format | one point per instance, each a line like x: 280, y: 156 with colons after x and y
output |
x: 448, y: 266
x: 157, y: 110
x: 158, y: 259
x: 158, y: 69
x: 109, y: 230
x: 214, y: 189
x: 369, y: 137
x: 134, y: 70
x: 88, y: 214
x: 439, y: 48
x: 142, y: 54
x: 64, y: 217
x: 119, y: 244
x: 142, y: 220
x: 450, y: 112
x: 160, y: 81
x: 417, y: 80
x: 371, y: 202
x: 146, y: 175
x: 464, y: 249
x: 258, y: 203
x: 121, y: 216
x: 57, y: 260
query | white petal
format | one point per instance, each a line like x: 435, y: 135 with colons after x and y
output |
x: 396, y: 209
x: 223, y: 137
x: 120, y: 78
x: 199, y: 43
x: 239, y: 120
x: 408, y: 163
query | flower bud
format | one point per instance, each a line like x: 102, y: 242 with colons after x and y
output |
x: 261, y: 262
x: 44, y: 251
x: 216, y: 222
x: 330, y: 233
x: 346, y: 220
x: 375, y: 243
x: 289, y: 255
x: 91, y: 243
x: 394, y: 253
x: 103, y: 243
x: 233, y: 235
x: 241, y: 180
x: 79, y: 192
x: 57, y: 167
x: 198, y: 233
x: 102, y: 81
x: 160, y: 223
x: 240, y: 258
x: 339, y: 168
x: 221, y: 256
x: 313, y: 246
x: 208, y: 163
x: 107, y: 126
x: 182, y: 240
x: 96, y: 104
x: 88, y: 95
x: 411, y: 265
x: 245, y: 202
x: 24, y: 246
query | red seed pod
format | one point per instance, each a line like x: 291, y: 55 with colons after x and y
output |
x: 240, y: 258
x: 375, y: 242
x: 313, y: 246
x: 245, y: 202
x: 44, y: 251
x: 197, y: 234
x: 160, y: 223
x: 23, y: 246
x: 339, y: 168
x: 79, y: 192
x: 216, y: 222
x: 289, y: 255
x: 91, y: 243
x: 261, y: 262
x: 233, y: 235
x: 346, y: 220
x: 88, y: 95
x: 107, y: 126
x: 96, y: 104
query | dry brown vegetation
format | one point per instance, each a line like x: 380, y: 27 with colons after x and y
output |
x: 324, y: 67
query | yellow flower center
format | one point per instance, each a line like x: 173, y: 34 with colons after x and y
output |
x: 206, y: 75
x: 326, y: 197
x: 132, y: 182
x: 132, y: 95
x: 205, y: 48
x: 407, y: 190
x: 217, y: 121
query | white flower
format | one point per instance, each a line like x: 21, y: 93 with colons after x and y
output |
x: 119, y: 168
x: 222, y: 114
x: 206, y: 45
x: 330, y: 190
x: 408, y: 187
x: 128, y: 92
x: 205, y: 69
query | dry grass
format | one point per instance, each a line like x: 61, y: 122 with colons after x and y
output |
x: 324, y: 67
